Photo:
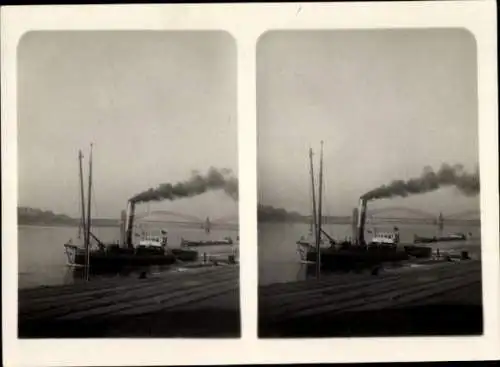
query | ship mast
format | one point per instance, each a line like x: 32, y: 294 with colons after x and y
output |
x: 320, y: 215
x: 313, y: 187
x: 87, y: 239
x: 82, y: 197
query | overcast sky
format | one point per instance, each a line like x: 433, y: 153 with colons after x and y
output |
x: 386, y: 103
x: 156, y: 105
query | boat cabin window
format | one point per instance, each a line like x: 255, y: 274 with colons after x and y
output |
x: 386, y: 235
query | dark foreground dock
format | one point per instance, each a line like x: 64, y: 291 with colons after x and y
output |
x: 445, y: 299
x: 200, y: 303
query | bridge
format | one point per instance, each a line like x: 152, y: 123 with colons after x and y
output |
x: 374, y: 216
x: 176, y: 218
x: 410, y: 215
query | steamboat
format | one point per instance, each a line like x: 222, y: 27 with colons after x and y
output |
x: 96, y: 255
x: 356, y: 253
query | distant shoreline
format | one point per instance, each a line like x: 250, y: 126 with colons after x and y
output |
x: 270, y: 214
x: 112, y: 225
x: 38, y: 217
x: 377, y: 222
x: 67, y: 225
x: 116, y: 225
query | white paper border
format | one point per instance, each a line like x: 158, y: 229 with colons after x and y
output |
x: 246, y: 22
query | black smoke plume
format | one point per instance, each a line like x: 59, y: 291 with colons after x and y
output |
x: 466, y: 183
x: 215, y: 179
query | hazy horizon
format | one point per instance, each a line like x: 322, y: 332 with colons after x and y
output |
x: 386, y: 103
x: 155, y: 104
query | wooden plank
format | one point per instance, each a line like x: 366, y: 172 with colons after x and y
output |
x: 107, y: 300
x: 276, y: 290
x: 384, y: 298
x: 160, y: 302
x: 33, y: 294
x: 225, y: 301
x: 466, y: 295
x: 98, y: 287
x: 354, y: 291
x: 50, y: 291
x: 334, y: 301
x: 123, y: 297
x: 99, y: 283
x: 317, y: 296
x: 160, y: 307
x: 312, y: 286
x: 415, y: 296
x: 86, y: 297
x: 172, y: 303
x: 270, y: 290
x: 28, y: 305
x: 331, y: 279
x: 437, y: 300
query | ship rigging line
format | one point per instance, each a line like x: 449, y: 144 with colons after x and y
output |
x: 325, y: 204
x: 81, y: 221
x: 311, y: 221
x: 94, y: 200
x: 80, y: 211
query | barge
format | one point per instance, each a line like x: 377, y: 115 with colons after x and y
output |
x: 198, y: 243
x: 450, y: 237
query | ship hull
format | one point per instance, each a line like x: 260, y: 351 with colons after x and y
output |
x: 185, y: 255
x: 419, y: 251
x: 119, y: 258
x: 424, y: 239
x: 360, y: 257
x: 437, y: 239
x: 355, y: 259
x: 205, y: 243
x: 103, y: 260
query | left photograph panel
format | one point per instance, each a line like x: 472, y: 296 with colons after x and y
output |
x: 127, y: 185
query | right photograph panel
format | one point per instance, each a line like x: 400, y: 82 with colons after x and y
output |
x: 368, y: 183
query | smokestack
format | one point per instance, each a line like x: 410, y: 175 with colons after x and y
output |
x: 361, y: 221
x: 123, y: 218
x: 354, y: 223
x: 129, y: 224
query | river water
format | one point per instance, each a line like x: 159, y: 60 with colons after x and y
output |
x: 279, y: 261
x: 42, y: 260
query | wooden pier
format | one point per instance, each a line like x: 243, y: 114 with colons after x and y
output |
x: 200, y: 302
x: 442, y: 299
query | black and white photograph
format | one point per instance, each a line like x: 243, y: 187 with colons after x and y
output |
x: 224, y: 184
x: 127, y: 185
x: 368, y: 183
